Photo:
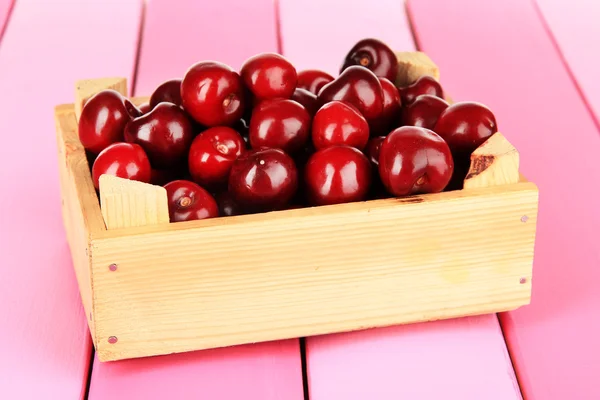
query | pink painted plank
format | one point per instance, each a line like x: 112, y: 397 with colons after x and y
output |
x: 261, y: 371
x: 44, y: 340
x: 5, y: 8
x: 503, y: 56
x: 466, y: 358
x: 230, y: 32
x: 574, y: 26
x: 317, y: 34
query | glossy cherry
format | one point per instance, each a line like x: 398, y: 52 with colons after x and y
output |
x: 124, y: 160
x: 424, y: 85
x: 374, y: 55
x: 165, y: 133
x: 338, y: 123
x: 415, y: 160
x: 144, y: 108
x: 280, y: 123
x: 307, y: 99
x: 168, y: 91
x: 213, y: 94
x: 338, y: 174
x: 227, y: 205
x: 465, y: 126
x: 313, y: 80
x: 392, y: 106
x: 189, y: 201
x: 424, y: 111
x: 263, y: 180
x: 373, y: 148
x: 103, y: 119
x: 357, y: 86
x: 212, y: 154
x: 269, y: 76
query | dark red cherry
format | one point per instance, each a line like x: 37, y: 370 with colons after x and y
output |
x: 392, y: 107
x: 357, y: 86
x: 424, y: 111
x: 169, y: 91
x: 415, y: 160
x: 373, y: 148
x: 307, y: 99
x: 263, y: 180
x: 165, y: 133
x: 228, y: 207
x: 338, y: 174
x: 212, y: 154
x: 124, y: 160
x: 144, y: 108
x: 269, y: 76
x: 424, y: 85
x: 189, y: 201
x: 374, y: 55
x: 313, y: 80
x: 103, y: 119
x: 213, y: 94
x: 281, y: 124
x: 465, y: 126
x: 338, y: 123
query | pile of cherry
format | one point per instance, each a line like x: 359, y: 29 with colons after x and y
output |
x: 270, y: 138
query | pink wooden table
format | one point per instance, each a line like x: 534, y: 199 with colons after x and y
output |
x: 538, y: 77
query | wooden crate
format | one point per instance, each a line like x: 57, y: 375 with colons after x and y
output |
x: 150, y: 287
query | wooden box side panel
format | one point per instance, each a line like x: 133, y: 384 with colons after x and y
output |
x: 370, y: 264
x: 80, y: 208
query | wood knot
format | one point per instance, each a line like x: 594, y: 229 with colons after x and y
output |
x: 480, y: 164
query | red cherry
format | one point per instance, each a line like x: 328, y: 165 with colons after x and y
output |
x: 424, y: 111
x: 212, y: 154
x: 144, y: 108
x: 357, y: 86
x: 124, y: 160
x: 281, y: 124
x: 169, y: 91
x: 165, y: 133
x: 307, y: 99
x: 228, y: 207
x: 269, y: 76
x: 338, y: 123
x: 263, y: 180
x: 374, y: 55
x: 189, y: 201
x: 392, y: 107
x: 103, y: 119
x: 213, y: 94
x: 465, y: 126
x: 415, y: 160
x: 424, y: 85
x: 313, y: 80
x: 338, y: 174
x: 373, y: 148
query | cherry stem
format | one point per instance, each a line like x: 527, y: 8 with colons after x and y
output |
x: 421, y: 180
x: 228, y: 100
x: 364, y: 61
x: 221, y: 148
x: 185, y: 201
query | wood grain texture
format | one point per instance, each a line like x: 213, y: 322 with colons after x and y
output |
x: 266, y: 371
x: 237, y: 31
x: 553, y: 342
x: 575, y: 29
x: 495, y: 162
x: 126, y: 203
x: 47, y: 45
x: 414, y: 64
x: 371, y: 264
x: 86, y: 88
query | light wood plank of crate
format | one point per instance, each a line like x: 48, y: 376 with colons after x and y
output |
x: 86, y: 88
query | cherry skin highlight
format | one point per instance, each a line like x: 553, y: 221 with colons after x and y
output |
x: 212, y: 155
x: 213, y: 94
x: 392, y: 107
x: 123, y: 160
x: 415, y: 160
x: 188, y: 201
x: 337, y: 174
x: 313, y: 80
x: 269, y: 76
x: 168, y: 91
x: 338, y: 123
